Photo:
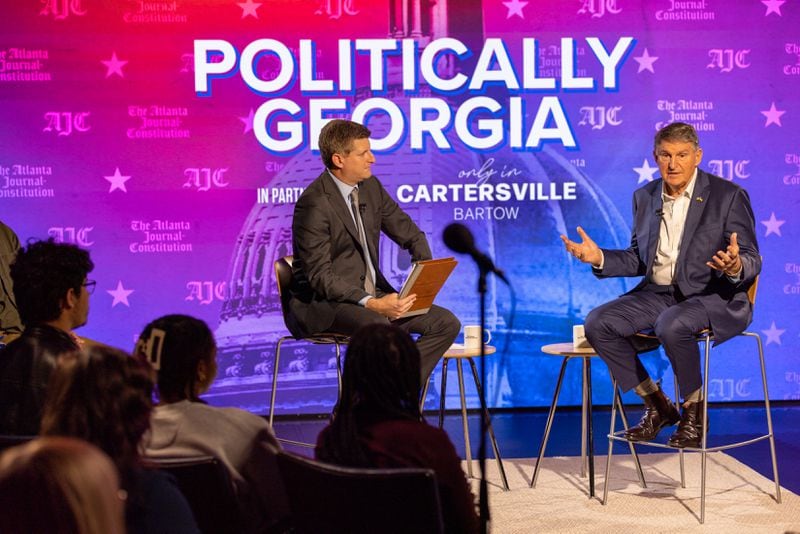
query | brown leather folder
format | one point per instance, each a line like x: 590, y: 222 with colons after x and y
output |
x: 426, y: 280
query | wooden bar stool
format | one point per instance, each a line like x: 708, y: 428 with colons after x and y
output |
x: 467, y: 354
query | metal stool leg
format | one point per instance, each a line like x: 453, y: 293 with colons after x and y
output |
x: 610, y: 444
x: 637, y: 463
x: 704, y: 437
x: 769, y: 415
x: 464, y: 424
x: 485, y: 414
x: 424, y: 394
x: 443, y: 392
x: 549, y: 423
x: 275, y: 363
x: 680, y: 451
x: 338, y: 371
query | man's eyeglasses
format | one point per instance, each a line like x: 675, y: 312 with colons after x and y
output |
x: 90, y: 285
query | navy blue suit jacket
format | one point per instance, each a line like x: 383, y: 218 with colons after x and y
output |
x: 717, y: 209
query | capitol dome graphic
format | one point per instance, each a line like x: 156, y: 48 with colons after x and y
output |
x: 553, y: 291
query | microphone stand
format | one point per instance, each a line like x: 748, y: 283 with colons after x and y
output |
x: 484, y: 488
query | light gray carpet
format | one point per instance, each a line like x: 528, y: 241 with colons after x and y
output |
x: 738, y: 499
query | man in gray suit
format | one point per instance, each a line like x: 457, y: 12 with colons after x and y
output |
x: 336, y: 228
x: 694, y: 242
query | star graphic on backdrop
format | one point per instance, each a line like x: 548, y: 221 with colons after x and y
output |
x: 120, y: 295
x: 773, y: 6
x: 249, y: 8
x: 515, y: 8
x: 773, y: 334
x: 248, y: 121
x: 773, y: 116
x: 645, y: 172
x: 114, y: 66
x: 773, y: 225
x: 645, y: 62
x: 117, y: 181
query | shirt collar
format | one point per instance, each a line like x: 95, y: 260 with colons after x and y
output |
x: 344, y: 189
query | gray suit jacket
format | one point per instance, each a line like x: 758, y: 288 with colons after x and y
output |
x: 718, y: 208
x: 329, y: 267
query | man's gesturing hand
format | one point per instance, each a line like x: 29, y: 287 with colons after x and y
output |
x: 586, y: 251
x: 728, y: 260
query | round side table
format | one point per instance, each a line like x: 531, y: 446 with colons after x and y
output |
x: 567, y: 352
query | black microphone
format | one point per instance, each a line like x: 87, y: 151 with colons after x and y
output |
x: 459, y: 239
x: 660, y: 213
x: 362, y: 208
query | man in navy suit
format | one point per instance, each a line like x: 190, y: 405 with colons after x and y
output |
x: 694, y: 242
x: 336, y: 232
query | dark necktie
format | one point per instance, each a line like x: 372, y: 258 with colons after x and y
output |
x: 369, y: 283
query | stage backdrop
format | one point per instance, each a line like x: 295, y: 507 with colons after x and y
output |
x: 172, y: 138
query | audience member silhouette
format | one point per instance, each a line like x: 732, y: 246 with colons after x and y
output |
x: 52, y: 297
x: 183, y: 351
x: 379, y: 424
x: 104, y: 396
x: 50, y: 284
x: 59, y: 485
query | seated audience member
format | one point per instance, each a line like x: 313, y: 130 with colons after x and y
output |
x: 104, y: 396
x: 379, y: 424
x: 10, y: 325
x: 62, y: 485
x: 50, y: 285
x: 52, y: 296
x: 25, y: 369
x: 183, y: 351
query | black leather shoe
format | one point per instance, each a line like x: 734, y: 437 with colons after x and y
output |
x: 659, y: 412
x: 690, y: 430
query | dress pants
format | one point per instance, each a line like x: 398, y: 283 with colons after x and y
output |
x: 437, y: 329
x: 675, y: 321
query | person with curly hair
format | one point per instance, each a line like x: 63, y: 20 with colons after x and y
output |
x: 104, y: 396
x: 75, y: 484
x: 50, y: 284
x: 379, y: 423
x: 52, y: 296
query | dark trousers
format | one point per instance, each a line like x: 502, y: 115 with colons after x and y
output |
x: 437, y: 329
x: 675, y: 320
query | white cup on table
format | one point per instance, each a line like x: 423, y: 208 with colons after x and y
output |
x: 473, y: 336
x: 579, y: 337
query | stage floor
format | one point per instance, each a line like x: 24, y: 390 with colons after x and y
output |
x: 519, y: 433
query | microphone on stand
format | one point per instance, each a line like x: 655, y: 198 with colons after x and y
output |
x: 459, y: 239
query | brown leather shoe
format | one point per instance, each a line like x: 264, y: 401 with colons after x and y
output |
x: 690, y: 430
x: 659, y: 412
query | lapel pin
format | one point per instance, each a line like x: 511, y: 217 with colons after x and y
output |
x: 699, y: 199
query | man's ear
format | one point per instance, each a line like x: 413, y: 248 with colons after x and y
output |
x: 70, y: 299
